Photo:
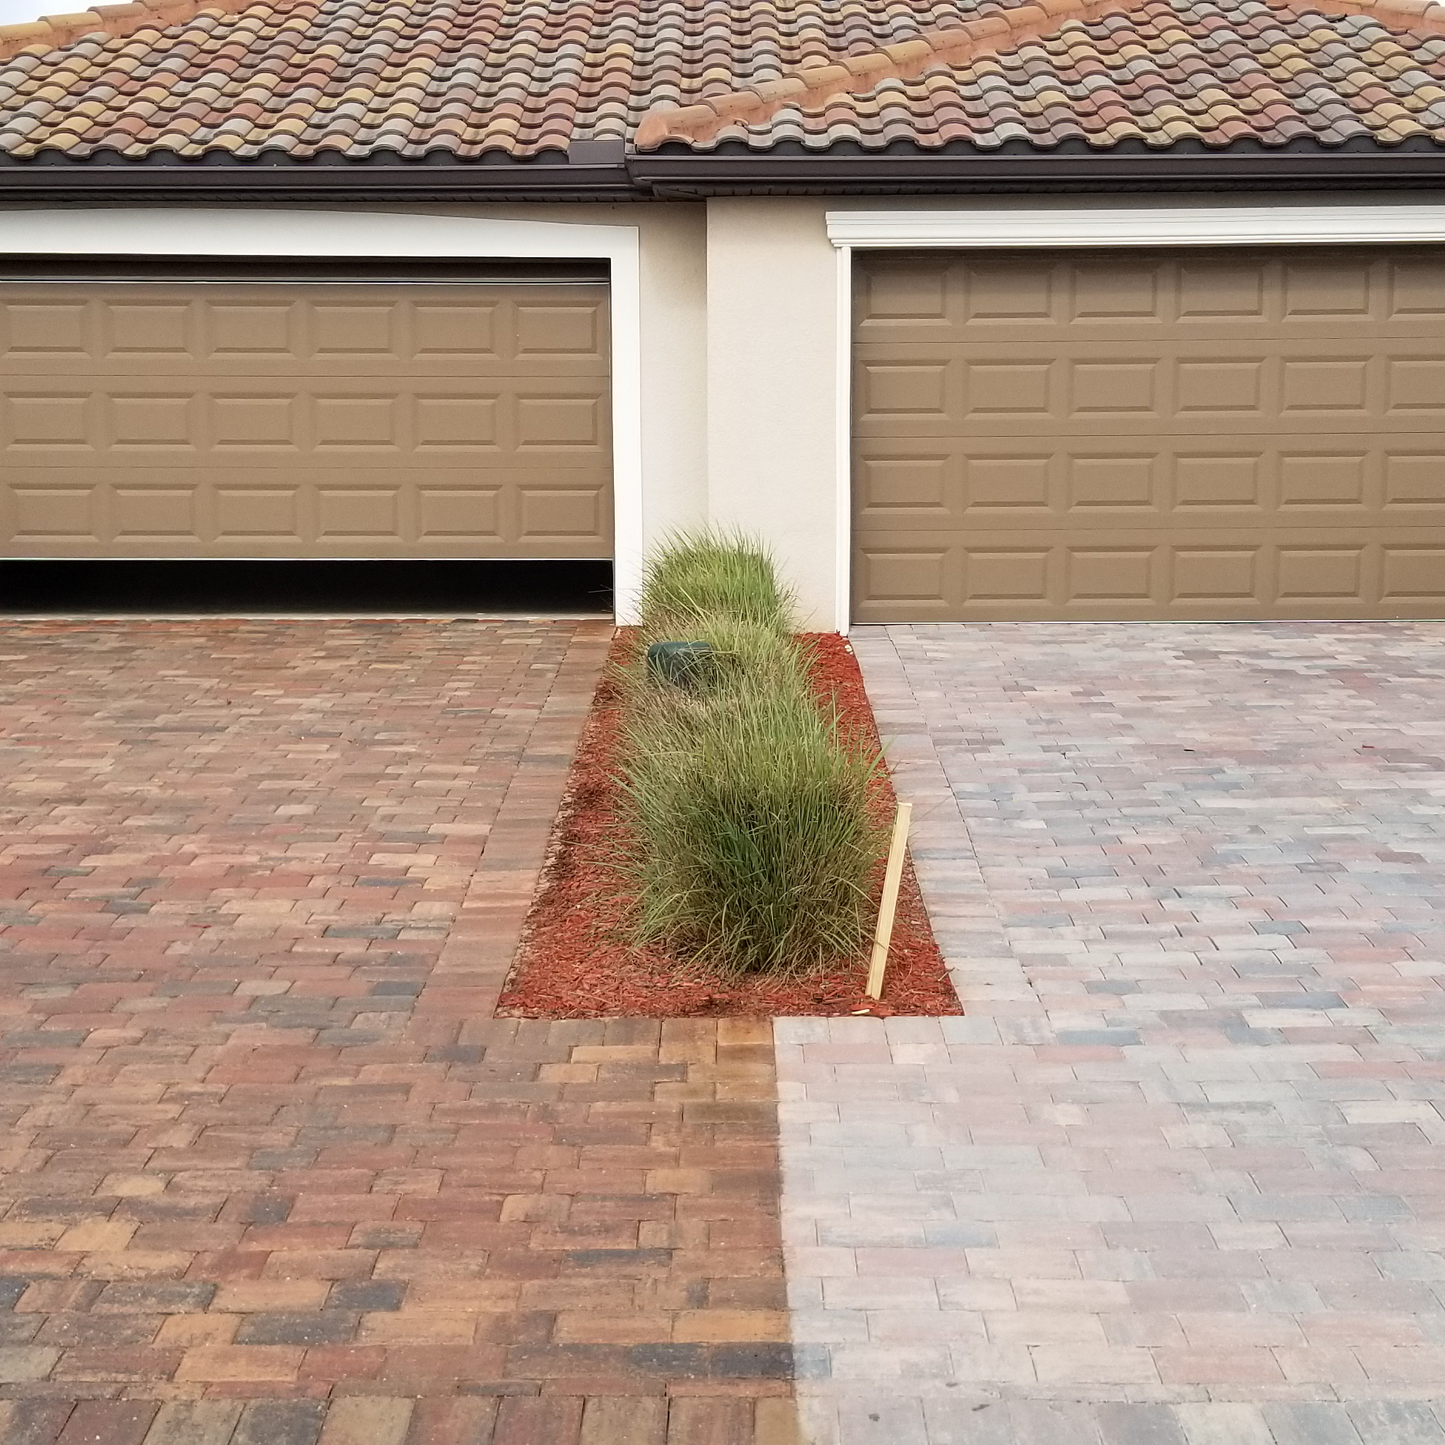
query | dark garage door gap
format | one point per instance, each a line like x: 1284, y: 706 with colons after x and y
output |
x: 324, y: 587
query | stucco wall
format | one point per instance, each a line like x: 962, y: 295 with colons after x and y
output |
x: 771, y: 384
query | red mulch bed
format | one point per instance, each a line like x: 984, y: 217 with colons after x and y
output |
x: 575, y: 960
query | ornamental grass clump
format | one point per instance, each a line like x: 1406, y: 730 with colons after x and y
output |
x: 712, y: 574
x: 752, y: 835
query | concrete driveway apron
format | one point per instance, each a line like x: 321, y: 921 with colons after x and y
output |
x: 1177, y: 1176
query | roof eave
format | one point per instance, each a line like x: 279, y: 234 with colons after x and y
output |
x: 675, y: 173
x: 94, y: 182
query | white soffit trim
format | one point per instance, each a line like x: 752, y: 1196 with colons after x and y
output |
x: 843, y: 445
x: 163, y: 231
x: 1139, y: 226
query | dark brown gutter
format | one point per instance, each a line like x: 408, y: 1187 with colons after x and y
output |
x: 83, y: 183
x: 675, y: 172
x: 598, y: 172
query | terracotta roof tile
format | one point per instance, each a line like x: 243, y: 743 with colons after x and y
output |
x: 353, y: 77
x: 1162, y: 72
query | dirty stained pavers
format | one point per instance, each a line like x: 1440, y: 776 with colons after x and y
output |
x: 271, y: 1171
x: 1176, y: 1177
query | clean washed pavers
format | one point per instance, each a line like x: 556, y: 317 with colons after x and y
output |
x: 1177, y: 1177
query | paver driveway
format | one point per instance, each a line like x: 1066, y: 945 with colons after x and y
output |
x: 1178, y: 1175
x: 270, y: 1169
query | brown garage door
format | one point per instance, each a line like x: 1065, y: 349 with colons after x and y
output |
x: 291, y: 420
x: 1220, y: 434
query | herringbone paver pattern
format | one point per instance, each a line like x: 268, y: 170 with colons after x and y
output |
x: 272, y: 1174
x: 1177, y: 1177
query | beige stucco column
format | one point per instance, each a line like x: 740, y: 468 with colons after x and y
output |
x: 772, y: 435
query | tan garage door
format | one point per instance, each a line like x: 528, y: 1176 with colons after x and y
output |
x: 1221, y: 434
x: 290, y: 420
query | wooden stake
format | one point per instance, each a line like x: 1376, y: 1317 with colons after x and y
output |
x: 892, y: 877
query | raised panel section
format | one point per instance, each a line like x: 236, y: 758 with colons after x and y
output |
x: 1106, y: 291
x: 1122, y: 574
x: 1222, y: 387
x: 916, y: 482
x: 1020, y: 291
x: 1321, y: 480
x: 257, y: 422
x: 561, y: 512
x: 148, y: 330
x: 455, y: 330
x: 1217, y: 479
x: 910, y: 391
x: 904, y: 292
x: 1004, y: 388
x: 557, y: 330
x: 1006, y: 575
x: 1417, y: 289
x: 1228, y: 289
x: 1113, y: 386
x: 1415, y: 479
x: 1327, y: 288
x: 1416, y: 574
x: 558, y: 421
x: 914, y: 575
x: 358, y: 511
x: 449, y: 422
x: 460, y: 512
x: 350, y: 423
x: 1116, y: 483
x: 153, y: 423
x: 34, y: 330
x: 61, y: 513
x: 1173, y: 434
x: 251, y: 512
x: 1215, y: 574
x: 1324, y: 384
x: 261, y: 331
x: 1012, y: 482
x: 154, y: 511
x: 1415, y: 383
x: 47, y: 422
x: 342, y: 331
x: 1328, y: 573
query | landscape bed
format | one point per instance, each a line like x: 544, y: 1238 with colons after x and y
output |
x: 576, y: 959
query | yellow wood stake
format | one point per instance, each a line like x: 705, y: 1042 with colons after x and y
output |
x: 889, y: 906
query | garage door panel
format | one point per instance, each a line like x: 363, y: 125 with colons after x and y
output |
x: 302, y: 512
x: 1362, y: 479
x: 1134, y: 436
x: 567, y: 419
x: 1041, y: 575
x: 1112, y: 385
x: 367, y: 330
x: 1221, y: 294
x: 273, y: 420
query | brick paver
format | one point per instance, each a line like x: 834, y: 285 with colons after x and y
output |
x: 1176, y: 1177
x: 272, y: 1174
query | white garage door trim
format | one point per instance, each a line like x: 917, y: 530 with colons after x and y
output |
x: 167, y: 231
x: 993, y: 227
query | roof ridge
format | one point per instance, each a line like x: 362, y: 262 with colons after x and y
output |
x: 117, y: 21
x: 956, y: 44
